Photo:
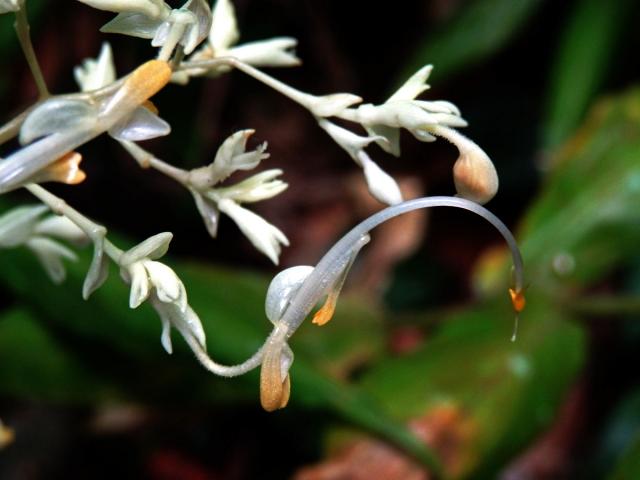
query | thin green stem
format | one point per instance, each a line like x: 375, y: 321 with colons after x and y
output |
x: 22, y: 30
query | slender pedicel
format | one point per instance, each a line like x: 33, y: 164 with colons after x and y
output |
x: 325, y: 274
x: 143, y: 83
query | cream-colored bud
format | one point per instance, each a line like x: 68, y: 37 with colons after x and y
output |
x: 475, y: 176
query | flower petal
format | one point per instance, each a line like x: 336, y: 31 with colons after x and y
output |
x: 414, y: 86
x: 61, y: 227
x: 139, y: 284
x: 153, y: 247
x: 224, y: 27
x: 264, y: 236
x: 141, y: 125
x: 18, y: 224
x: 381, y: 185
x: 99, y: 268
x: 56, y: 115
x: 274, y: 52
x: 96, y: 73
x: 282, y: 288
x: 50, y: 254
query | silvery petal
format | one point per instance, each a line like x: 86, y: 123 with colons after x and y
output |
x: 330, y: 105
x: 153, y: 248
x: 165, y: 337
x: 275, y: 52
x: 209, y: 212
x: 282, y: 288
x: 390, y: 134
x: 61, y: 227
x: 264, y: 236
x: 348, y: 140
x: 169, y: 288
x: 381, y: 185
x: 203, y: 13
x: 151, y: 8
x: 142, y: 124
x: 414, y: 86
x: 224, y: 27
x: 98, y: 270
x: 139, y: 284
x: 56, y: 115
x: 17, y: 225
x: 50, y: 254
x: 133, y: 24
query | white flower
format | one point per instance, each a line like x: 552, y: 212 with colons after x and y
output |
x: 188, y: 25
x: 401, y: 110
x: 147, y: 276
x: 231, y: 156
x: 381, y: 185
x: 154, y: 281
x: 186, y: 322
x: 274, y: 52
x: 50, y: 253
x: 96, y: 73
x: 7, y: 6
x: 258, y: 187
x: 264, y: 236
x: 24, y: 226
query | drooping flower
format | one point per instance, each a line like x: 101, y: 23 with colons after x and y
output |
x: 211, y: 200
x: 154, y: 281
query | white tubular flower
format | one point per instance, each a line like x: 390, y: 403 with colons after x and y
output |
x: 401, y: 110
x: 381, y: 185
x: 188, y: 25
x: 264, y: 236
x: 274, y: 52
x: 231, y: 156
x: 96, y: 73
x: 138, y: 266
x: 7, y: 6
x: 260, y: 186
x: 25, y: 226
x: 154, y: 281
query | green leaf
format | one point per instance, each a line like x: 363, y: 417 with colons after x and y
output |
x: 628, y: 466
x: 585, y: 53
x: 501, y: 393
x: 586, y: 220
x: 481, y: 28
x: 231, y: 306
x: 36, y: 366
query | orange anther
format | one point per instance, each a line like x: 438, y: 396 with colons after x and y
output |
x: 517, y: 299
x: 65, y: 170
x: 325, y: 313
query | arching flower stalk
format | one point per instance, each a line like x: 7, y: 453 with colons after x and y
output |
x: 296, y: 291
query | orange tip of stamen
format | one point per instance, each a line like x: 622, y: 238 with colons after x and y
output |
x: 64, y: 170
x: 325, y: 314
x: 517, y: 300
